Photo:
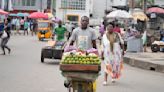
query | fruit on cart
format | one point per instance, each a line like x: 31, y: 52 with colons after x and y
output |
x: 80, y: 58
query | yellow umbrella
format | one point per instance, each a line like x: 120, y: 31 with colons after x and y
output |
x: 140, y: 15
x: 50, y: 15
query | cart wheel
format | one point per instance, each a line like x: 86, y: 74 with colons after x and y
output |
x: 42, y: 59
x: 155, y: 48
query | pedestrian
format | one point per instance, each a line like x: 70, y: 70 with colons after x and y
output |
x: 117, y: 29
x: 21, y: 23
x: 59, y: 32
x: 111, y: 53
x: 101, y: 31
x: 17, y: 23
x: 84, y: 36
x: 6, y: 38
x: 129, y: 34
x: 69, y: 29
x: 34, y: 27
x: 13, y: 22
x: 26, y: 27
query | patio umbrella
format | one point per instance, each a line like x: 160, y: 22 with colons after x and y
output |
x: 38, y: 15
x: 3, y: 12
x: 12, y: 14
x: 119, y: 14
x: 50, y: 15
x: 22, y: 14
x: 140, y: 15
x: 155, y: 10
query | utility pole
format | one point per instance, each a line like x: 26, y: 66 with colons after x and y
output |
x: 144, y: 5
x: 41, y: 4
x: 106, y: 5
x: 131, y: 5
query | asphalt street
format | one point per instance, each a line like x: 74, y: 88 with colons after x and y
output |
x: 22, y: 71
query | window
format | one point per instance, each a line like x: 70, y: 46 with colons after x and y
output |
x: 73, y: 18
x: 16, y: 2
x: 0, y: 3
x: 23, y: 2
x: 42, y: 24
x: 73, y: 4
x: 28, y: 2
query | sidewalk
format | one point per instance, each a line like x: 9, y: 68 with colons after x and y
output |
x: 146, y: 60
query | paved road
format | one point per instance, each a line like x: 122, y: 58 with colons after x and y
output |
x: 21, y: 71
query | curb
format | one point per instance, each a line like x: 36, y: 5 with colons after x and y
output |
x: 144, y: 65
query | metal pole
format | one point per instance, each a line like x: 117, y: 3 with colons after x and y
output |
x: 144, y: 5
x: 7, y: 5
x: 41, y: 6
x: 106, y: 5
x: 132, y: 5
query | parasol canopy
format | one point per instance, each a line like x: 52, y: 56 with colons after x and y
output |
x: 38, y: 15
x: 3, y: 12
x: 119, y: 14
x: 13, y: 14
x: 50, y: 15
x: 22, y: 14
x: 155, y: 10
x: 140, y: 15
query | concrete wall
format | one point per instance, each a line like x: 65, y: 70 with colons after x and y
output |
x: 99, y: 6
x: 119, y: 2
x: 159, y: 2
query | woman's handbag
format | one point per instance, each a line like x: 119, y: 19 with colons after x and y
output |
x: 4, y: 35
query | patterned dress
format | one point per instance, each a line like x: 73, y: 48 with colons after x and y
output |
x: 112, y: 59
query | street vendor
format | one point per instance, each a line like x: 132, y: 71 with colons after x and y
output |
x: 84, y: 36
x: 60, y: 32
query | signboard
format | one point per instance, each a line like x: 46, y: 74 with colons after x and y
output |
x: 153, y: 15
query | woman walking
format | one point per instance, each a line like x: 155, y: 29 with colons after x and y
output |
x: 111, y: 53
x: 6, y: 39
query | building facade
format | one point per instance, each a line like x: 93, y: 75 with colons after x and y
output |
x: 30, y: 6
x: 6, y: 5
x: 99, y: 6
x: 73, y: 10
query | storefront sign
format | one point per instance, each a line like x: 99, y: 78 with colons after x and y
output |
x: 153, y: 15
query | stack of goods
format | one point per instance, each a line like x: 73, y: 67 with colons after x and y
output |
x: 75, y: 60
x: 80, y: 58
x: 59, y: 45
x: 55, y: 44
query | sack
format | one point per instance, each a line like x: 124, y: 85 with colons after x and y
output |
x: 4, y: 35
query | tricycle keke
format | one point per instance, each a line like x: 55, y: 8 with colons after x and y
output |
x: 44, y: 29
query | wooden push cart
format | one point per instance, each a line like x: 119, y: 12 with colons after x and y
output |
x: 53, y: 52
x: 80, y: 77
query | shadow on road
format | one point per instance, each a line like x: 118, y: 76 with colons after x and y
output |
x: 52, y: 62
